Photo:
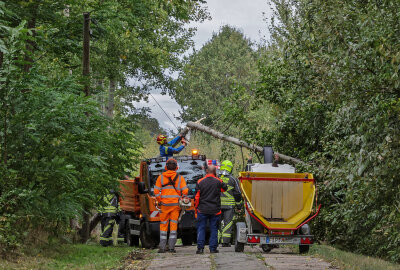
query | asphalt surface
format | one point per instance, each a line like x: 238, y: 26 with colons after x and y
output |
x: 251, y: 258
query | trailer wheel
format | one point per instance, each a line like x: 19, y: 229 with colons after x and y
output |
x: 304, y: 249
x: 145, y: 238
x: 266, y: 248
x: 131, y: 239
x: 239, y: 247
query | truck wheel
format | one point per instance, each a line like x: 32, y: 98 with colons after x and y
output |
x: 145, y: 238
x: 266, y: 248
x: 239, y: 247
x: 187, y: 238
x: 131, y: 239
x: 304, y: 249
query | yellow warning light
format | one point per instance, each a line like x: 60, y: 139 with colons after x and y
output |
x: 195, y: 152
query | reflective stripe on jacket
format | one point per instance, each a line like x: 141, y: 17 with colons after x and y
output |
x: 167, y: 194
x: 112, y: 204
x: 166, y: 150
x: 228, y: 197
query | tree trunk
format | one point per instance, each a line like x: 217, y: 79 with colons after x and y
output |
x: 94, y: 221
x: 100, y: 91
x: 30, y: 45
x: 85, y: 232
x: 110, y: 101
x: 221, y: 136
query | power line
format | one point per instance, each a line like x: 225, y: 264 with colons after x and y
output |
x: 164, y: 112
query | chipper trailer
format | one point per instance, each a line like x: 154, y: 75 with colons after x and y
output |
x: 279, y: 203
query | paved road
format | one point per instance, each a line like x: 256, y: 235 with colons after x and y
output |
x: 228, y: 259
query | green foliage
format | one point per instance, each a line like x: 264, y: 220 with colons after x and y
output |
x: 349, y: 260
x: 332, y: 72
x: 60, y: 151
x: 204, y: 88
x: 75, y: 256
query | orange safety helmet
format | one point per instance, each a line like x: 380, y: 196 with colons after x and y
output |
x: 161, y: 139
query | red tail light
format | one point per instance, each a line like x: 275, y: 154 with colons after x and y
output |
x: 253, y: 239
x: 306, y: 241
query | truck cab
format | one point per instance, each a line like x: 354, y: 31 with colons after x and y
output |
x: 140, y: 213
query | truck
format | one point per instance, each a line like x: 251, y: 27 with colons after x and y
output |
x: 139, y: 211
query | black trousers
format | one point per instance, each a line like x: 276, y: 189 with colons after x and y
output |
x: 225, y: 232
x: 107, y: 227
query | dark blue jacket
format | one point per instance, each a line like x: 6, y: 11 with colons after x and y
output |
x: 166, y: 150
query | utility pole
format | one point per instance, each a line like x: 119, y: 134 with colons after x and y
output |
x: 86, y: 52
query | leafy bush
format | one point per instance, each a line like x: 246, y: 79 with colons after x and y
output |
x: 332, y: 71
x: 59, y: 153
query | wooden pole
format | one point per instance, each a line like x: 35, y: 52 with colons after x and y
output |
x: 86, y: 52
x: 221, y: 136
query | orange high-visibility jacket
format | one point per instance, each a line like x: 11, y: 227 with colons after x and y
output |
x: 166, y: 193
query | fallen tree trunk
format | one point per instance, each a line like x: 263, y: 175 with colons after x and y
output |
x: 221, y: 136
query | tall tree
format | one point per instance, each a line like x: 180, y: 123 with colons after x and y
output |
x: 206, y: 87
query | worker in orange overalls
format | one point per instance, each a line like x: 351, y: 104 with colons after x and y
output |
x: 170, y: 186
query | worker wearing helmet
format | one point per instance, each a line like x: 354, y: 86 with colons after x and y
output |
x: 166, y: 149
x: 229, y: 200
x: 170, y: 186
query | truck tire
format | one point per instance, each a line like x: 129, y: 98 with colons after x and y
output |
x: 239, y: 247
x: 146, y: 239
x: 304, y: 249
x: 187, y: 238
x: 131, y: 239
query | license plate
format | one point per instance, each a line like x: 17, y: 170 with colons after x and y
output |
x: 282, y: 240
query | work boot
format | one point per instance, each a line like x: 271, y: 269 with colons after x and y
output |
x: 200, y: 251
x: 226, y: 245
x: 162, y: 245
x: 214, y: 251
x: 172, y: 240
x: 172, y: 251
x: 161, y: 250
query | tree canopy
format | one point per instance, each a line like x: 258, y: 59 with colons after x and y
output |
x: 205, y: 87
x: 62, y: 149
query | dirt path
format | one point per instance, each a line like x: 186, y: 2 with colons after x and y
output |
x: 228, y: 259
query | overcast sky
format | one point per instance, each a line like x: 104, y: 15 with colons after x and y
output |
x: 247, y: 15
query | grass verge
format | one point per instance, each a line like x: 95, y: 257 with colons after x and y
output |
x: 350, y: 261
x: 78, y: 256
